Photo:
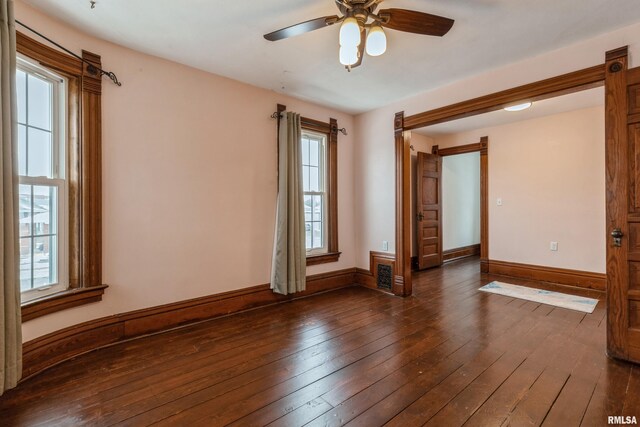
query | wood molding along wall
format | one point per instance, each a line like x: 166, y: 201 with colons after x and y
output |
x: 463, y: 252
x: 564, y: 84
x: 51, y: 349
x: 581, y: 279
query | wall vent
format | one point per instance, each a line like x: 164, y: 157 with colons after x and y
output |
x: 385, y: 277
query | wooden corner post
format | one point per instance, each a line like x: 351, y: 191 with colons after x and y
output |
x: 402, y: 281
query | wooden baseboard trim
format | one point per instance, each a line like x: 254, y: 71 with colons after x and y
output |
x: 56, y: 347
x: 462, y: 252
x: 367, y: 278
x: 581, y: 279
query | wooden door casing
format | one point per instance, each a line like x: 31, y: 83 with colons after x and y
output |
x: 429, y: 210
x: 622, y: 122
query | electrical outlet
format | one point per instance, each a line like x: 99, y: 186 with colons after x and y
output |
x: 499, y: 201
x: 554, y: 246
x: 385, y: 245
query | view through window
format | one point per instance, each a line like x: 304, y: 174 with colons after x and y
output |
x: 41, y: 155
x: 314, y: 163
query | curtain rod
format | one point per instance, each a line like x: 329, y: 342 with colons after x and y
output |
x: 277, y: 115
x: 91, y: 68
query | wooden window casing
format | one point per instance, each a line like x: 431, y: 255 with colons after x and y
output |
x: 331, y: 130
x: 84, y: 160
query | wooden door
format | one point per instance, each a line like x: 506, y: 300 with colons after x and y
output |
x: 429, y: 210
x: 622, y: 122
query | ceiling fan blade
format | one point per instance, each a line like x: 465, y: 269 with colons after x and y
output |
x: 411, y: 21
x: 361, y: 48
x: 301, y: 28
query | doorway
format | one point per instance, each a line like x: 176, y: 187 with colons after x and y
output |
x: 456, y: 226
x: 622, y: 118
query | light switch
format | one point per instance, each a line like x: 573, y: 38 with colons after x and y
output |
x: 499, y: 201
x: 385, y: 245
x: 554, y: 246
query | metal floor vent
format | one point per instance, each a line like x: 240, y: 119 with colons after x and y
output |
x: 385, y: 276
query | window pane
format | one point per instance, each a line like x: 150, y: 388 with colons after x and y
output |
x: 43, y: 260
x: 22, y: 150
x: 307, y: 208
x: 305, y: 151
x: 317, y: 235
x: 21, y: 83
x: 44, y: 210
x: 314, y: 178
x: 314, y: 152
x: 39, y: 102
x: 305, y: 178
x: 25, y: 264
x: 307, y: 227
x: 24, y: 210
x: 39, y: 153
x: 317, y: 208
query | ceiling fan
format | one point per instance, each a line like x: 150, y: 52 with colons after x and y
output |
x: 362, y: 28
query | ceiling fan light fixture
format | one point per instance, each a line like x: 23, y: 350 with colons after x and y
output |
x: 350, y: 33
x: 376, y: 41
x: 348, y: 55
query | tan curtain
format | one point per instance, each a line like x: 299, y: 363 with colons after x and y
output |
x: 288, y: 270
x: 10, y: 332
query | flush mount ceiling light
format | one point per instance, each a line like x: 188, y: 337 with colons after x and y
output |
x: 361, y: 28
x: 518, y: 107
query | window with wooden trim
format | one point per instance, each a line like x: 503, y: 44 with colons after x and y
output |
x: 320, y: 183
x: 59, y: 124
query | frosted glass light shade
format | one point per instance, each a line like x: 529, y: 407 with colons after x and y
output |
x: 350, y: 33
x: 376, y: 41
x: 348, y: 55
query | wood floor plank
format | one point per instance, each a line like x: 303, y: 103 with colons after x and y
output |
x: 535, y: 405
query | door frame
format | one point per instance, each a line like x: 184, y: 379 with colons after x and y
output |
x: 587, y: 78
x: 483, y: 148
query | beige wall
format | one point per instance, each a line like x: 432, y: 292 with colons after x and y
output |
x: 375, y: 163
x: 189, y: 161
x: 549, y: 173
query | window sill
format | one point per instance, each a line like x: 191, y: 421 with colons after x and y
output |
x: 323, y: 258
x: 61, y: 301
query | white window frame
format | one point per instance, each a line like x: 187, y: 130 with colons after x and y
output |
x: 59, y: 179
x: 324, y: 181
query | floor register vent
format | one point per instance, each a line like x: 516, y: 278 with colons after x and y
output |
x: 385, y: 276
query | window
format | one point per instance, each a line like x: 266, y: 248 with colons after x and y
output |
x: 314, y: 162
x: 59, y: 154
x: 43, y: 182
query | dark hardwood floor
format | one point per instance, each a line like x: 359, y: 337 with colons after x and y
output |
x: 447, y: 356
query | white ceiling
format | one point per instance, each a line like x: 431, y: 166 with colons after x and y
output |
x: 560, y: 104
x: 225, y: 37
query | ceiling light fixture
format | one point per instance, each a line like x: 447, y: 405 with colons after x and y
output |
x: 376, y: 41
x: 350, y: 33
x: 356, y: 16
x: 518, y: 107
x: 348, y: 55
